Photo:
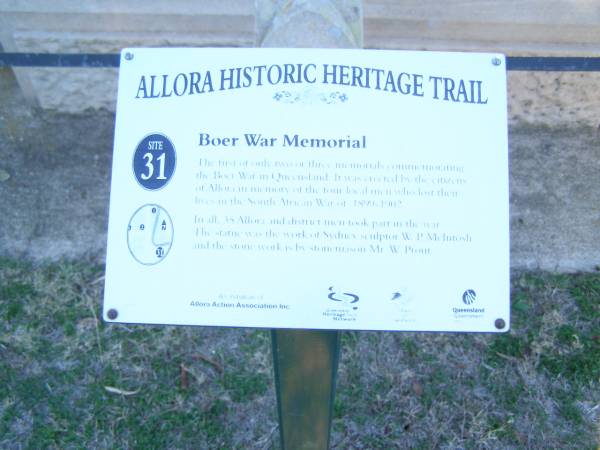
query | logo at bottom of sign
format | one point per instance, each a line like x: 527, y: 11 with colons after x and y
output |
x: 344, y: 306
x: 150, y: 234
x: 471, y: 310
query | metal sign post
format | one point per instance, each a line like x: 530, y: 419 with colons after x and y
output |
x: 305, y: 363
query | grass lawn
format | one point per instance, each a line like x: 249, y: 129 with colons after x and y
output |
x: 67, y: 380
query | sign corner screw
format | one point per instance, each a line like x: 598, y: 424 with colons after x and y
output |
x: 495, y: 61
x: 499, y: 324
x: 128, y: 56
x: 112, y: 314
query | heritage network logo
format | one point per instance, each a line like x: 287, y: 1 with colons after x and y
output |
x: 345, y: 308
x: 346, y: 297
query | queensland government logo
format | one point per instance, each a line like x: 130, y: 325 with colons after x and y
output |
x: 468, y: 298
x: 346, y: 305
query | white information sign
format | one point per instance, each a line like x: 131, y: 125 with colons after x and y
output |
x: 310, y: 188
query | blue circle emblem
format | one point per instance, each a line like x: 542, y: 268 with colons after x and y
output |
x: 154, y: 161
x: 469, y: 297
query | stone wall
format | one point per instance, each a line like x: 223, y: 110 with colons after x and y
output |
x: 514, y: 27
x: 554, y: 117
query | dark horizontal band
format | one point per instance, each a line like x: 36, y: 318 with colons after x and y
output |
x: 60, y: 60
x: 523, y: 63
x: 553, y: 63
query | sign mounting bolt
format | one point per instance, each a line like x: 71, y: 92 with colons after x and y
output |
x: 495, y: 61
x: 128, y: 56
x: 112, y: 314
x: 500, y: 324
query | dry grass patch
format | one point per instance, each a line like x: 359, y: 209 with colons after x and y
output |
x: 67, y: 380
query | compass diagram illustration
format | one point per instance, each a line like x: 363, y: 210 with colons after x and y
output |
x: 150, y: 234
